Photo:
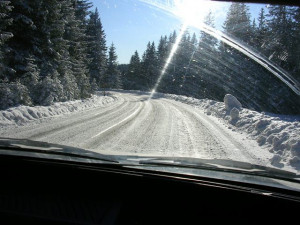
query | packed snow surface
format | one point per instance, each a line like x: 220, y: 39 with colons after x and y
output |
x: 278, y: 134
x: 129, y: 122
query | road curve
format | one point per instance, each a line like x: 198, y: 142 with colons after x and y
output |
x: 135, y: 124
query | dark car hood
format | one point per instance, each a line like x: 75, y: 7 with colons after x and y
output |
x: 210, y: 168
x: 66, y: 151
x: 44, y: 148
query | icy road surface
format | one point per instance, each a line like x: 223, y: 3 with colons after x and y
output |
x: 133, y: 124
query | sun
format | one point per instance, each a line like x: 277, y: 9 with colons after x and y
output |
x: 192, y: 11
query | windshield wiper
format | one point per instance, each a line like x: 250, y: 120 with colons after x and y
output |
x: 213, y: 166
x: 56, y: 152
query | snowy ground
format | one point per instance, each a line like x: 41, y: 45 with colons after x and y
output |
x: 24, y: 115
x: 277, y: 134
x: 129, y: 123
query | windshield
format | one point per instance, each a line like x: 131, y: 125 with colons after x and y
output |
x: 175, y: 78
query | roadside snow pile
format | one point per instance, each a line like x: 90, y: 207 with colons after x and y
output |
x: 277, y: 133
x: 231, y: 102
x: 23, y: 114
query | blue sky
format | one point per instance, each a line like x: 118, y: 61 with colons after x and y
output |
x: 130, y: 24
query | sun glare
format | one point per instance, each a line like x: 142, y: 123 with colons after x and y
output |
x: 191, y: 11
x: 169, y: 59
x: 192, y: 14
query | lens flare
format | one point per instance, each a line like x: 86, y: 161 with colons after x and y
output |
x: 192, y: 12
x: 169, y: 59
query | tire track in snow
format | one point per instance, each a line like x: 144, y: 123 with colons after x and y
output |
x: 147, y: 140
x: 185, y: 136
x: 202, y: 143
x: 82, y: 134
x: 230, y: 148
x: 131, y: 137
x: 71, y: 125
x: 44, y: 127
x: 126, y: 120
x: 95, y: 141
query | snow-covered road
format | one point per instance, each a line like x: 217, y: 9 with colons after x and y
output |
x: 134, y: 124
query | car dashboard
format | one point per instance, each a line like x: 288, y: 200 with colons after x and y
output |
x: 45, y: 191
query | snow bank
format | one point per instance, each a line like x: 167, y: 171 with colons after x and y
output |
x: 23, y: 114
x: 231, y: 102
x: 278, y: 134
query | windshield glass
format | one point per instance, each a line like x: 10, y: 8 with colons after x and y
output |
x: 175, y: 78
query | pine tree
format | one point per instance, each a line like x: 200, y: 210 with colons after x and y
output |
x: 162, y: 52
x: 23, y: 44
x: 48, y: 49
x: 280, y: 48
x: 187, y: 76
x: 31, y: 78
x: 205, y: 65
x: 133, y: 76
x: 21, y: 56
x: 77, y: 49
x: 184, y: 55
x: 82, y: 8
x: 13, y: 94
x: 5, y: 8
x: 262, y: 30
x: 295, y: 59
x: 238, y: 23
x: 38, y: 38
x: 149, y: 66
x: 55, y: 60
x: 206, y: 40
x: 48, y: 44
x: 50, y: 90
x: 113, y: 74
x: 280, y: 42
x: 97, y: 49
x: 94, y: 86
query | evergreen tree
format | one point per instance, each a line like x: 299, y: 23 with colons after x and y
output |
x: 168, y: 80
x: 31, y: 78
x: 55, y: 60
x: 280, y: 42
x: 208, y: 41
x: 262, y: 30
x: 238, y: 23
x: 149, y: 66
x: 13, y: 94
x: 205, y: 66
x: 23, y: 45
x: 162, y: 52
x: 5, y: 8
x: 76, y: 77
x: 38, y: 39
x: 183, y: 57
x: 50, y: 90
x: 113, y: 74
x: 188, y: 53
x: 82, y: 8
x: 94, y: 86
x: 295, y: 59
x: 46, y: 48
x: 97, y: 49
x: 133, y: 76
x: 48, y: 42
